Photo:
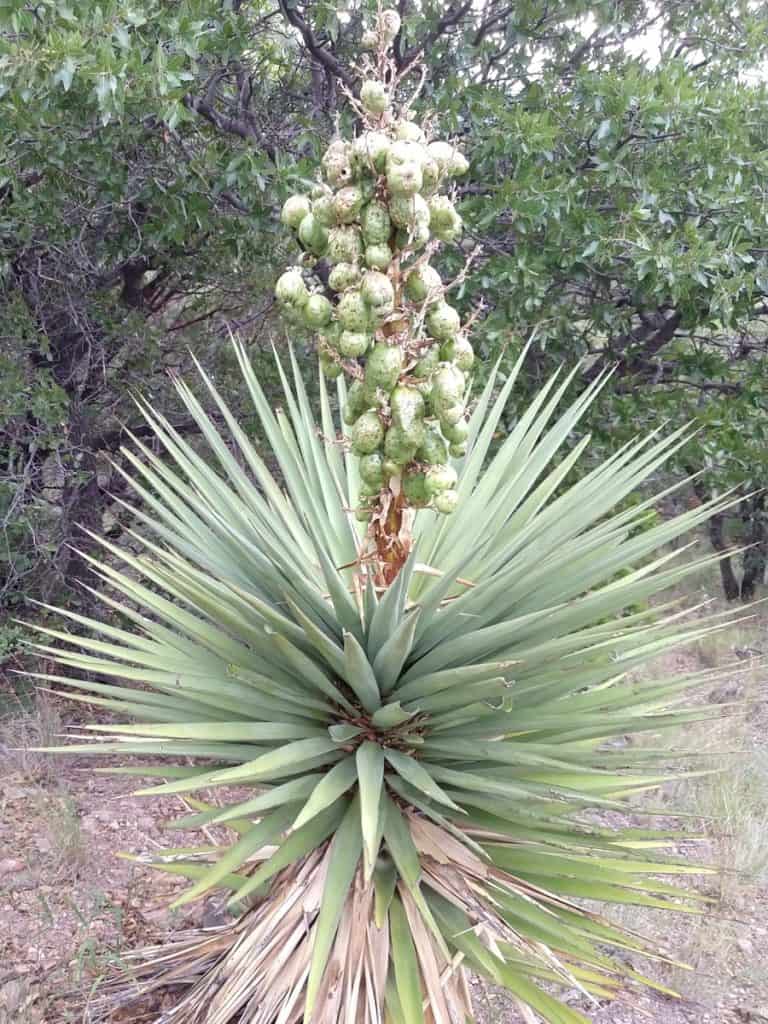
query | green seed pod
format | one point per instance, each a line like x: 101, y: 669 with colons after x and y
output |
x: 450, y: 415
x: 390, y: 468
x: 353, y: 344
x: 446, y: 502
x: 406, y: 211
x: 367, y: 433
x: 404, y: 153
x: 458, y: 450
x: 389, y: 24
x: 375, y: 223
x: 423, y: 281
x: 323, y: 211
x: 343, y: 276
x: 344, y: 244
x: 443, y: 321
x: 440, y: 478
x: 428, y: 363
x: 405, y: 179
x: 378, y: 257
x: 352, y: 312
x: 336, y: 164
x: 369, y: 40
x: 372, y: 469
x: 362, y: 514
x: 409, y: 131
x: 371, y: 149
x: 447, y: 387
x: 433, y: 449
x: 329, y: 366
x: 448, y: 158
x: 373, y: 96
x: 367, y: 490
x: 456, y: 433
x: 451, y: 232
x: 347, y: 203
x: 407, y: 405
x: 415, y: 489
x: 317, y: 311
x: 378, y: 292
x: 458, y: 350
x: 383, y: 367
x: 356, y: 403
x: 295, y: 209
x: 398, y: 446
x: 290, y: 289
x: 430, y: 173
x: 442, y: 213
x: 313, y: 235
x: 414, y: 238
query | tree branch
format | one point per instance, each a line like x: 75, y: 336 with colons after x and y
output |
x: 452, y: 17
x: 322, y: 55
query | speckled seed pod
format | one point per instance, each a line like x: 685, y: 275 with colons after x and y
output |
x: 343, y: 276
x: 367, y: 433
x: 344, y: 245
x: 295, y: 209
x: 440, y: 478
x: 373, y: 96
x: 336, y: 164
x: 423, y: 281
x: 290, y: 289
x: 378, y: 257
x: 446, y: 502
x: 372, y: 469
x: 443, y: 321
x: 317, y: 311
x: 313, y: 235
x: 459, y: 351
x: 375, y: 223
x: 353, y: 344
x: 347, y: 203
x: 383, y: 367
x: 352, y: 311
x: 370, y: 150
x: 433, y: 449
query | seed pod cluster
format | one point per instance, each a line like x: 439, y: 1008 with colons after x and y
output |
x: 369, y: 228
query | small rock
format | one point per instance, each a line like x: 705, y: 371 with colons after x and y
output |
x: 11, y: 865
x: 745, y: 946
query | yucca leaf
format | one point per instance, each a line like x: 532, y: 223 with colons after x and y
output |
x: 384, y: 882
x: 299, y: 843
x: 260, y: 835
x: 390, y: 716
x: 359, y: 674
x: 343, y: 859
x: 369, y: 760
x: 405, y: 964
x: 330, y: 787
x: 418, y: 776
x: 394, y: 652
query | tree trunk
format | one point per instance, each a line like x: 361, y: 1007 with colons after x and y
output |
x: 719, y: 542
x: 718, y: 539
x: 755, y: 557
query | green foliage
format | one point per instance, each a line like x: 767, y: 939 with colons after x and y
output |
x: 616, y: 163
x: 419, y: 756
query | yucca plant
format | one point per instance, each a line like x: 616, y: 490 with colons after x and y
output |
x: 402, y: 716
